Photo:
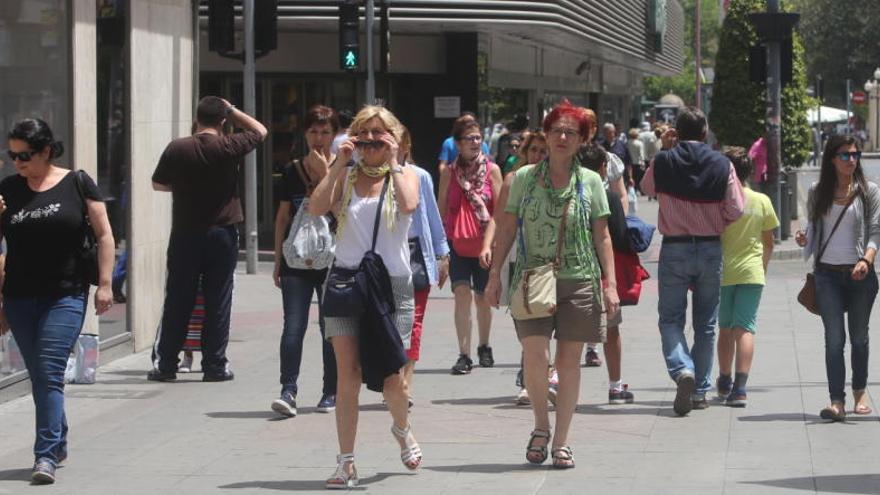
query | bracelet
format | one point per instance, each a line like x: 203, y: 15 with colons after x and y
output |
x: 230, y: 109
x: 397, y: 170
x: 866, y: 262
x: 445, y: 257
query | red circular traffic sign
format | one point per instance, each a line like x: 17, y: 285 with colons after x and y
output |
x: 859, y: 97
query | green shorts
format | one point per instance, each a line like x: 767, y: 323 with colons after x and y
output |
x: 739, y: 306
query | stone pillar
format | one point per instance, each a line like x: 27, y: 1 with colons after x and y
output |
x: 161, y: 109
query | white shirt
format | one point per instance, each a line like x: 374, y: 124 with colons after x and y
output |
x: 357, y: 237
x: 841, y: 248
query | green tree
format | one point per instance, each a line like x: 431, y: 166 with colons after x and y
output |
x: 841, y: 38
x: 738, y: 104
x: 738, y: 107
x: 683, y: 84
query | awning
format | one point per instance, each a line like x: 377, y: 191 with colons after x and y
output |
x: 829, y: 114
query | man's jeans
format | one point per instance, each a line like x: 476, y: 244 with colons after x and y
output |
x: 695, y: 266
x: 45, y: 329
x: 296, y: 293
x: 211, y: 254
x: 837, y: 293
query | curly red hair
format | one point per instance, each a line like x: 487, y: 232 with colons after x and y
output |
x: 585, y: 118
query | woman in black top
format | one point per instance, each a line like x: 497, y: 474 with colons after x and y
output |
x: 45, y: 282
x: 298, y: 285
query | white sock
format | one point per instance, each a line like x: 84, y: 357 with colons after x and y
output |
x: 618, y: 385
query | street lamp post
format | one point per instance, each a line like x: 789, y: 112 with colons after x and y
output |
x: 872, y: 87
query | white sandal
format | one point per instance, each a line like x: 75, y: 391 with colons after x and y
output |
x: 340, y: 479
x: 411, y: 455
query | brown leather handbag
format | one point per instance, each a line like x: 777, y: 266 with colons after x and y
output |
x: 807, y: 296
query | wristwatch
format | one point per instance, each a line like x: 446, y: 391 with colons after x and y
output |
x: 230, y: 109
x: 441, y: 258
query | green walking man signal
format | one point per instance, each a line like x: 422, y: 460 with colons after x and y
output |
x: 349, y: 35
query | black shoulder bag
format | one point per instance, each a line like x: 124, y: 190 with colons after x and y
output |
x: 87, y: 257
x: 343, y: 296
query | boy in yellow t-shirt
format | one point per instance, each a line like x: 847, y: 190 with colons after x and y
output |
x: 747, y: 245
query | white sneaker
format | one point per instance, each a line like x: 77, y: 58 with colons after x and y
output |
x: 522, y: 399
x: 185, y: 365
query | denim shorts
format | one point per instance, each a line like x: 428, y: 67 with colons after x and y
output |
x: 464, y: 270
x: 739, y: 306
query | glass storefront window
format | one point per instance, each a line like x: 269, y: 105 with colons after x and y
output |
x: 35, y: 81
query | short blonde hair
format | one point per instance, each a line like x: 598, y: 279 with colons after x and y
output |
x: 368, y: 112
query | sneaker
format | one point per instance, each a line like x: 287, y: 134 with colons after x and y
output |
x: 553, y: 388
x: 286, y: 404
x: 463, y: 366
x: 327, y: 404
x: 156, y: 375
x: 519, y: 379
x: 699, y: 402
x: 484, y: 353
x: 522, y: 398
x: 44, y: 472
x: 724, y: 384
x: 620, y: 395
x: 737, y: 398
x: 685, y: 385
x: 222, y: 376
x: 61, y: 455
x: 185, y: 365
x: 592, y: 359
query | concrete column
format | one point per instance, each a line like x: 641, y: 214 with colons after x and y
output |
x: 161, y: 109
x: 84, y: 149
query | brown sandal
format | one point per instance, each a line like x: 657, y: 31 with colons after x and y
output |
x: 835, y: 412
x: 861, y: 408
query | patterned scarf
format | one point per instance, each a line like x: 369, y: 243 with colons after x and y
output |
x: 390, y: 205
x: 471, y: 176
x: 580, y: 211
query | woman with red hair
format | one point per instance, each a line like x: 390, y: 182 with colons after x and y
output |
x: 559, y: 212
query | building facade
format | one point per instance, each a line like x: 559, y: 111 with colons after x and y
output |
x: 447, y: 57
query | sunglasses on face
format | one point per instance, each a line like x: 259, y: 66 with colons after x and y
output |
x: 22, y: 156
x: 370, y: 144
x: 849, y: 155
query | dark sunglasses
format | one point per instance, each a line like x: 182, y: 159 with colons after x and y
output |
x: 22, y: 156
x: 849, y: 155
x: 370, y: 144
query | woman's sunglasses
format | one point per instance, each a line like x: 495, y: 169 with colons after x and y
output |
x: 22, y: 156
x: 849, y: 155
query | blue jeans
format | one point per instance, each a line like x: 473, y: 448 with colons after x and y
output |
x: 296, y: 293
x: 837, y: 293
x: 695, y: 266
x: 45, y: 329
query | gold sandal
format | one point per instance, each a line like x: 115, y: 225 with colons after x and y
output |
x: 861, y: 408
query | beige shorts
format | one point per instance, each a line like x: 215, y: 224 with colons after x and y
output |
x: 578, y: 315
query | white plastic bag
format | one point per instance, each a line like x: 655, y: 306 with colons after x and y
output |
x: 310, y: 244
x: 86, y: 359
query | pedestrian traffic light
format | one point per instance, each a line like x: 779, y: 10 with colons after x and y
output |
x: 265, y: 26
x: 221, y: 26
x: 349, y: 33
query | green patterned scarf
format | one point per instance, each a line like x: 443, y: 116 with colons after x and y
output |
x: 579, y: 210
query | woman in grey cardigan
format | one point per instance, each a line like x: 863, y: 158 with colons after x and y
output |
x: 844, y: 266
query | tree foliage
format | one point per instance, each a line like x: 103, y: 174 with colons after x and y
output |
x: 683, y: 84
x: 738, y: 107
x: 738, y: 104
x: 842, y: 40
